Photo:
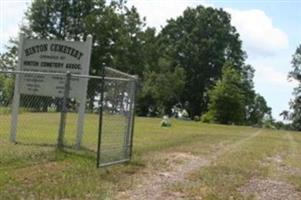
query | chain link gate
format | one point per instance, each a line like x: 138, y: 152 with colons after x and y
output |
x: 107, y: 125
x: 116, y: 118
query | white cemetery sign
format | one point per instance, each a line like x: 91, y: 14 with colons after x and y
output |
x: 52, y: 56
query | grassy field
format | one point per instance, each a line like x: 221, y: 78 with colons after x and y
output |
x: 190, y: 160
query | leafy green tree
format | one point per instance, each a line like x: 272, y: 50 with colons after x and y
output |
x: 161, y: 90
x: 118, y: 39
x: 6, y: 89
x: 8, y: 61
x: 233, y: 99
x: 295, y: 104
x: 200, y: 41
x: 285, y: 115
x: 62, y: 19
x: 227, y: 99
x: 295, y: 115
x: 259, y: 111
x: 2, y: 97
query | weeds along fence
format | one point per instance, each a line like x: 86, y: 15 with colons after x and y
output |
x: 103, y: 124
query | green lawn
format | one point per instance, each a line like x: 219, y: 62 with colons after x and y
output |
x: 34, y: 169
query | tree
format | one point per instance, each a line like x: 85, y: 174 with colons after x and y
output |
x: 285, y: 115
x: 118, y: 39
x: 233, y: 99
x: 259, y: 111
x: 227, y: 99
x: 161, y: 90
x: 295, y: 104
x: 6, y: 89
x: 200, y: 41
x: 8, y: 61
x: 64, y: 19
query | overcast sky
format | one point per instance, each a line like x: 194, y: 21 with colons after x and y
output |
x: 270, y: 31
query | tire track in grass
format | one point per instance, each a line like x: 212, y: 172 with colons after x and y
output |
x: 155, y: 186
x: 274, y: 187
x: 293, y: 144
x: 286, y: 167
x: 233, y: 147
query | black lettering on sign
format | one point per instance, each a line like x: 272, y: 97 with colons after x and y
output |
x: 52, y: 64
x: 73, y: 66
x: 36, y: 49
x: 66, y: 50
x: 49, y: 57
x: 31, y: 63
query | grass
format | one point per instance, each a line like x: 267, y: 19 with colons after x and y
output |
x: 236, y: 167
x: 34, y: 169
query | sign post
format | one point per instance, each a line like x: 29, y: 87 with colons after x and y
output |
x: 16, y: 98
x: 82, y: 105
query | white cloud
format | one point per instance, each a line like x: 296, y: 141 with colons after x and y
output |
x: 10, y: 32
x: 270, y: 75
x: 158, y: 11
x: 11, y: 15
x: 259, y: 35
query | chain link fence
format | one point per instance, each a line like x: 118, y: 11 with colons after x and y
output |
x: 105, y: 129
x: 6, y: 96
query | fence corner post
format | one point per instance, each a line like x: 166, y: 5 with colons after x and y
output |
x: 60, y: 140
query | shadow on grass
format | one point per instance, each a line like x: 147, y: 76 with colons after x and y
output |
x: 26, y: 154
x: 35, y: 144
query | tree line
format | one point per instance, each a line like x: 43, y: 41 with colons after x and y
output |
x: 194, y: 63
x: 294, y: 114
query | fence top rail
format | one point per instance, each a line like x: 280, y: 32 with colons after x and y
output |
x: 121, y: 73
x: 64, y: 74
x: 31, y: 72
x: 109, y: 78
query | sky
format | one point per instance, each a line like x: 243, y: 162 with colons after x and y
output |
x: 269, y: 29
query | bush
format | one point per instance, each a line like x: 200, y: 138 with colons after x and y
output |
x: 196, y: 118
x: 268, y: 125
x: 207, y: 118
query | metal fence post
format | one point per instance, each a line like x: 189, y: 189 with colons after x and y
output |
x: 60, y: 140
x: 100, y: 121
x: 129, y: 115
x: 133, y: 116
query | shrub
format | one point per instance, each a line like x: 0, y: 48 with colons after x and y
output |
x: 207, y: 118
x: 196, y: 118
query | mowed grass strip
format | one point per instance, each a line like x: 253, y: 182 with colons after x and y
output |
x: 291, y: 165
x: 224, y: 177
x: 29, y: 170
